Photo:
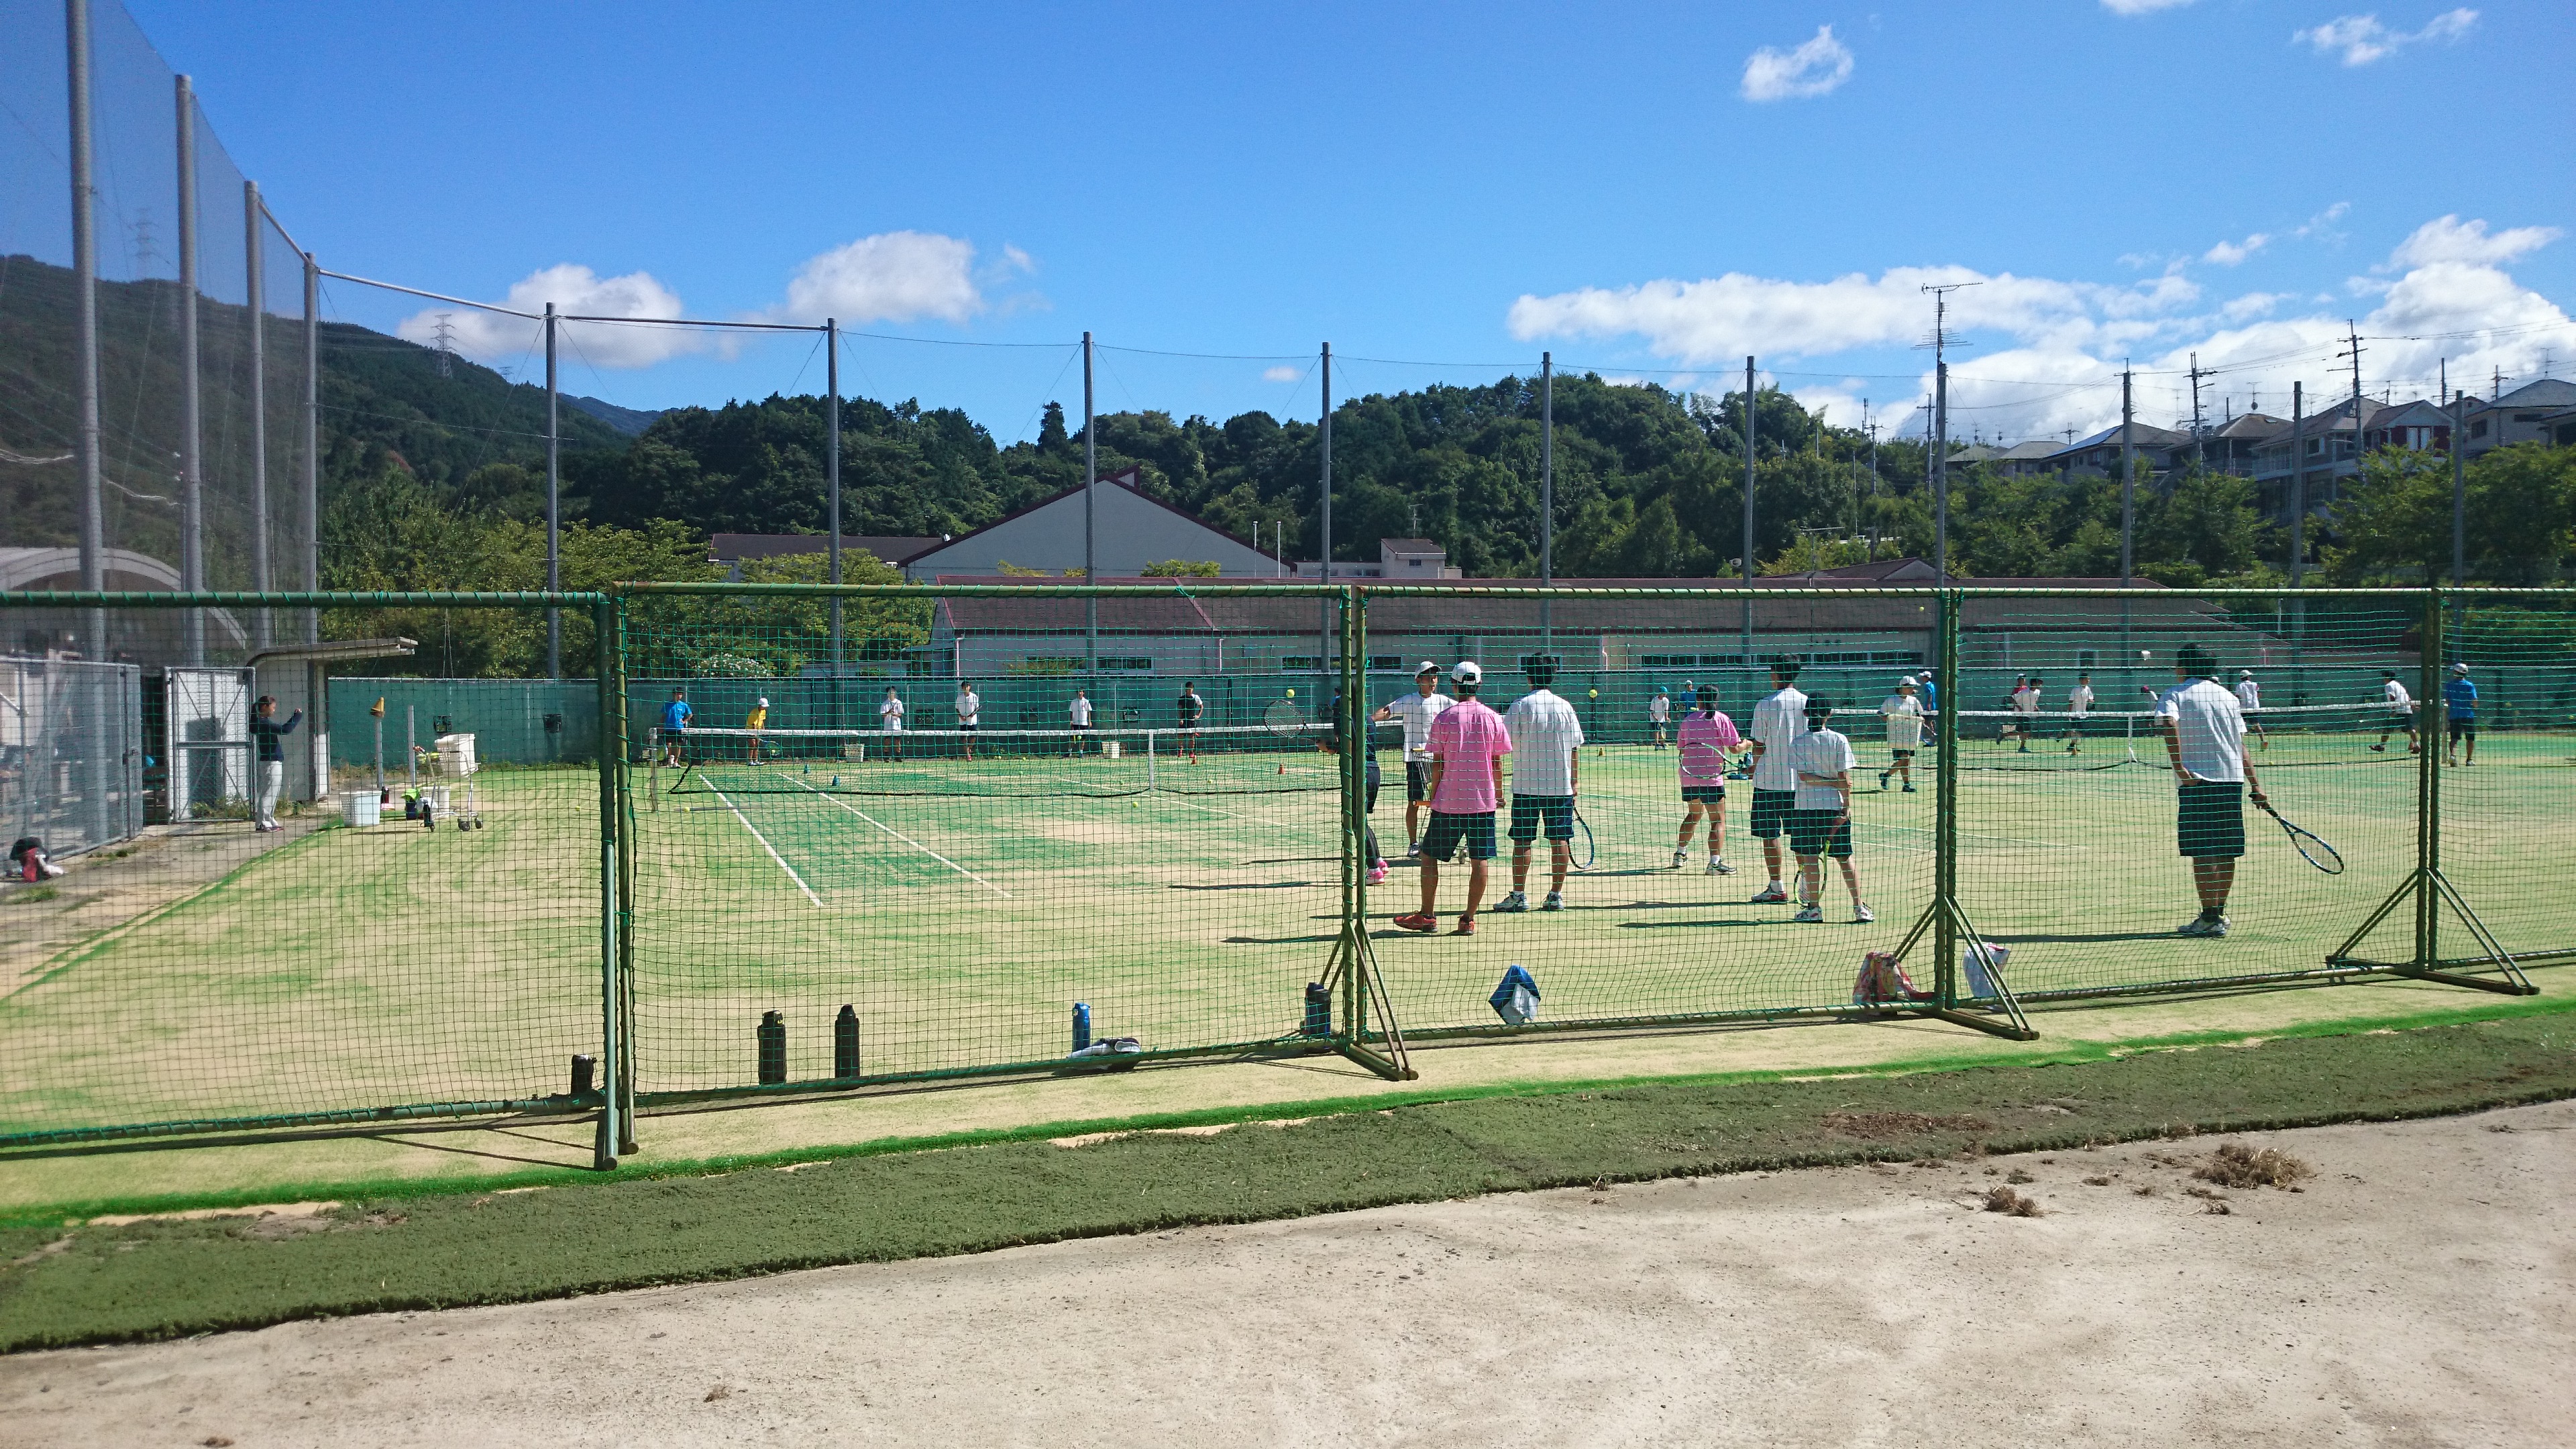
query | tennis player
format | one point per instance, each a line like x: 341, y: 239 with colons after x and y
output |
x: 1707, y: 739
x: 970, y: 707
x: 1820, y: 823
x: 1904, y: 716
x: 1659, y: 713
x: 2025, y: 706
x: 2249, y: 698
x: 1780, y: 718
x: 1468, y: 742
x: 675, y: 727
x: 2079, y: 707
x: 2204, y: 730
x: 2460, y: 704
x: 1190, y: 708
x: 756, y: 721
x: 1078, y: 713
x: 1547, y: 744
x: 890, y: 720
x: 1419, y: 710
x: 2401, y: 706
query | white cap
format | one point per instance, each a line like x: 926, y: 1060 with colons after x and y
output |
x: 1425, y: 667
x: 2459, y: 669
x: 2245, y: 674
x: 1466, y: 672
x: 764, y: 702
x: 1906, y: 683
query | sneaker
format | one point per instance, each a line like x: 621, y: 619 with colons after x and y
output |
x: 1809, y: 913
x: 1772, y: 895
x: 2217, y: 927
x: 1717, y: 866
x: 1680, y: 858
x: 1882, y: 778
x: 1863, y: 915
x: 1377, y: 873
x: 1466, y: 926
x: 1909, y: 789
x: 2024, y: 750
x: 1555, y: 901
x: 2379, y: 749
x: 2196, y: 926
x: 1512, y: 905
x: 1418, y: 921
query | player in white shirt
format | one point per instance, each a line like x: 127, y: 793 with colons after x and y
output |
x: 2204, y: 730
x: 1078, y: 713
x: 2025, y: 703
x: 1659, y: 713
x: 1904, y: 715
x: 1778, y: 719
x: 1820, y: 823
x: 970, y: 706
x: 2249, y: 698
x: 890, y: 720
x: 1417, y: 710
x: 1547, y: 755
x: 2401, y: 708
x: 2079, y: 704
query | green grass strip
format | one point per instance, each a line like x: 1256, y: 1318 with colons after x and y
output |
x: 166, y: 1278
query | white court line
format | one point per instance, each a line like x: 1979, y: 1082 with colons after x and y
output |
x: 906, y: 839
x: 773, y: 850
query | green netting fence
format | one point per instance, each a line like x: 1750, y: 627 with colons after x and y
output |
x: 790, y: 840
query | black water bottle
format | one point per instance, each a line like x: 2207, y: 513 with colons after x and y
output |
x: 1319, y: 1010
x: 773, y: 1048
x: 845, y: 1044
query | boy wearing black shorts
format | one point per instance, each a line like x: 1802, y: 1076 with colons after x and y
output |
x: 1820, y: 821
x: 1779, y: 719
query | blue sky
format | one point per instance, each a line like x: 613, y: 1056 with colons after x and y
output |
x: 1649, y: 190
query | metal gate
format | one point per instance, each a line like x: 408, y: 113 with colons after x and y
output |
x: 208, y: 743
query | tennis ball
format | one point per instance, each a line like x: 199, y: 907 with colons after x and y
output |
x: 1595, y: 694
x: 1292, y: 694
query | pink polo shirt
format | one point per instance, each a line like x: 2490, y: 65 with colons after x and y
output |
x: 1704, y: 740
x: 1467, y: 739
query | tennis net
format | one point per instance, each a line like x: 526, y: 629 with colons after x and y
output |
x: 1028, y: 763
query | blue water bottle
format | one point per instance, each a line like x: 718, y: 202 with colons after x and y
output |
x: 1081, y: 1025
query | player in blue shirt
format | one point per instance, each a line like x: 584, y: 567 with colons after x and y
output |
x: 2460, y: 703
x: 675, y: 724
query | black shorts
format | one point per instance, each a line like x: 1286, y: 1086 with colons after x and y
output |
x: 966, y: 728
x: 1417, y: 782
x: 1816, y: 832
x: 1448, y: 832
x: 1906, y: 753
x: 2209, y: 819
x: 1531, y: 813
x: 2463, y: 729
x: 1771, y: 812
x: 1082, y: 726
x: 1704, y: 794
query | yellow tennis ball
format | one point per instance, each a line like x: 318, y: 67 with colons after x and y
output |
x: 1292, y: 694
x: 1596, y: 694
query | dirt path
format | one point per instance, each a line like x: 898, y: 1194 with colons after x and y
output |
x: 2420, y: 1290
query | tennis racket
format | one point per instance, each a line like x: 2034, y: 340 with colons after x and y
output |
x: 1284, y: 716
x: 1582, y: 842
x: 2319, y: 854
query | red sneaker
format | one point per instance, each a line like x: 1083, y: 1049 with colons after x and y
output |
x: 1418, y: 921
x: 1466, y: 926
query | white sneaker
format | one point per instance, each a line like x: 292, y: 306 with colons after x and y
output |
x: 1862, y: 915
x: 1809, y: 913
x: 1772, y: 895
x: 1512, y: 905
x: 1717, y: 866
x: 1680, y: 858
x: 1555, y: 901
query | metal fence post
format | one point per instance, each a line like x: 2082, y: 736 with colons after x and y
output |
x: 612, y: 759
x: 615, y: 743
x: 2432, y: 713
x: 1945, y: 804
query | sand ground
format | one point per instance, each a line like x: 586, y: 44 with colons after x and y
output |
x: 2417, y: 1291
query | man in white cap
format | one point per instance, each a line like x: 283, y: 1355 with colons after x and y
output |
x: 2249, y: 700
x: 756, y: 721
x: 1417, y: 710
x: 1468, y: 743
x: 1904, y: 715
x: 1778, y: 719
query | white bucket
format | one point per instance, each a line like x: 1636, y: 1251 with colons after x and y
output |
x: 857, y: 751
x: 1112, y: 749
x: 361, y: 808
x: 434, y: 797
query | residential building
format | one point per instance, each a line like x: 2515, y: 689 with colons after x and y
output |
x: 2534, y: 412
x: 1129, y: 531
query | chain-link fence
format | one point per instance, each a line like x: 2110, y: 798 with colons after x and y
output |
x: 956, y: 835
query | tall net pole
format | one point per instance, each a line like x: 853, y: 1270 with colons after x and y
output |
x: 254, y: 248
x: 309, y: 418
x: 1090, y: 526
x: 1747, y: 647
x: 93, y: 515
x: 554, y: 514
x: 1546, y: 499
x: 1324, y: 552
x: 192, y: 418
x: 832, y: 480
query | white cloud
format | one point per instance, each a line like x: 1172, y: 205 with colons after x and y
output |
x: 2228, y: 254
x: 2361, y: 39
x: 573, y: 289
x: 2052, y: 350
x: 1281, y: 373
x: 895, y: 276
x: 2449, y: 239
x: 2142, y: 7
x: 1813, y: 69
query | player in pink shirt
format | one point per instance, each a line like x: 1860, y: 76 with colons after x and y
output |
x: 1707, y: 738
x: 1468, y: 742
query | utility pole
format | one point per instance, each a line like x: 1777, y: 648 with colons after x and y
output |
x: 192, y: 459
x: 2298, y: 484
x: 2459, y: 491
x: 1324, y: 526
x: 443, y: 341
x: 1546, y: 497
x: 2200, y: 440
x: 1872, y: 425
x: 1749, y: 432
x: 554, y: 514
x: 832, y: 486
x: 1941, y: 425
x: 2354, y: 330
x: 1090, y: 566
x: 2128, y: 482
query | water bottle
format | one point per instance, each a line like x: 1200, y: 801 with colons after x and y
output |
x: 1081, y: 1025
x: 845, y: 1044
x: 773, y: 1048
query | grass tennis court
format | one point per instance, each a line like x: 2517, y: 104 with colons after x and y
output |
x: 961, y: 909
